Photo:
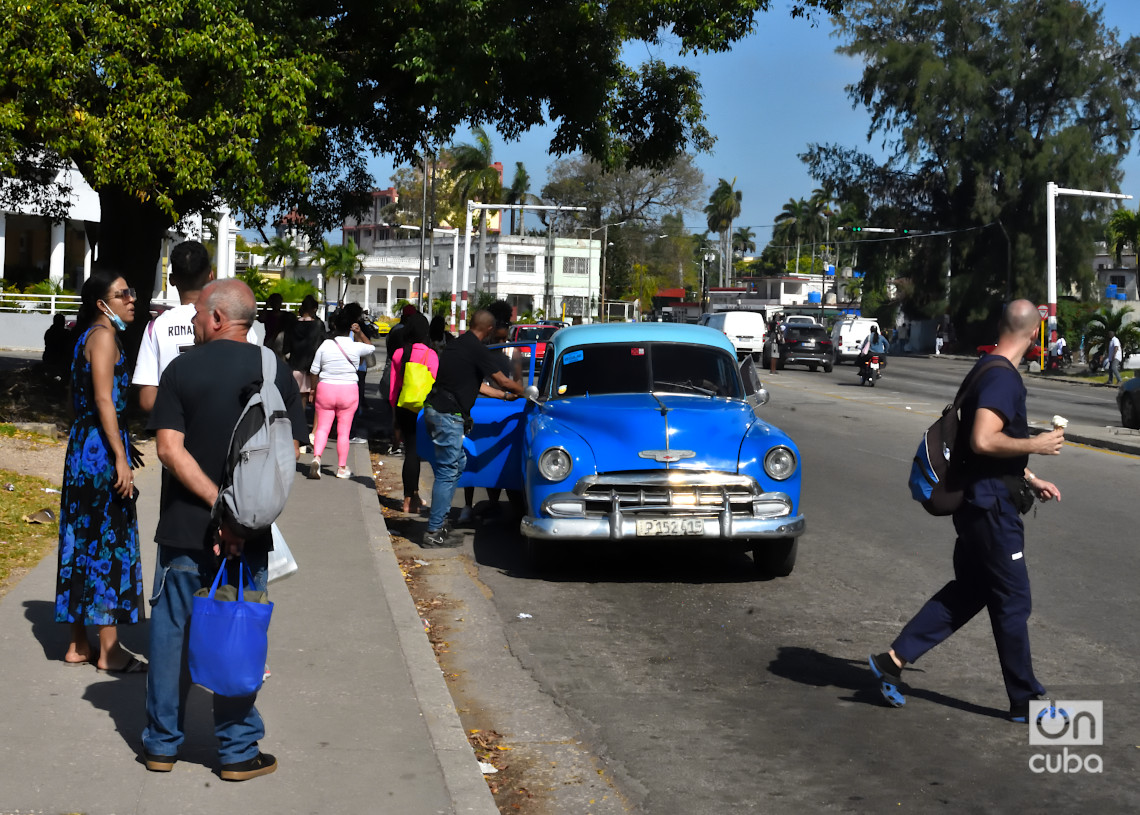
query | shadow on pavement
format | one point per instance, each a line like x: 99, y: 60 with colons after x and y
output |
x: 810, y: 667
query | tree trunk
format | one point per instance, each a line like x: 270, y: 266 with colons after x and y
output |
x: 130, y: 242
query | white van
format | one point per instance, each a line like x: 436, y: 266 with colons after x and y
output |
x: 848, y: 334
x: 746, y: 330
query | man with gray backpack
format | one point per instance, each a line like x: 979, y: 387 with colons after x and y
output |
x: 229, y: 441
x: 992, y: 488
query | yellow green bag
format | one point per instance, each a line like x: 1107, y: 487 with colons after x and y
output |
x: 417, y: 384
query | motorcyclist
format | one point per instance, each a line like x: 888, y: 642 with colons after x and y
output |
x: 1057, y: 354
x: 874, y: 343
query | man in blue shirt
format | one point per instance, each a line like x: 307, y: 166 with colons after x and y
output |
x: 990, y: 571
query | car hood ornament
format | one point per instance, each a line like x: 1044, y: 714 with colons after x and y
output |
x: 667, y: 456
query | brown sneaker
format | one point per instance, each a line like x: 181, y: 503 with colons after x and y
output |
x: 159, y: 764
x: 261, y: 764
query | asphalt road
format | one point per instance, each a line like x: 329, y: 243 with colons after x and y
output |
x: 700, y: 689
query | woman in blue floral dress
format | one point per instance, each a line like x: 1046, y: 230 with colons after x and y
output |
x: 99, y: 582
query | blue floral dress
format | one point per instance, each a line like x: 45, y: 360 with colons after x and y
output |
x: 99, y: 581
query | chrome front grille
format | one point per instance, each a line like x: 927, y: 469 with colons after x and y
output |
x: 673, y: 493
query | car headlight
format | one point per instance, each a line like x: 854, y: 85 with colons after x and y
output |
x: 780, y: 463
x: 555, y: 464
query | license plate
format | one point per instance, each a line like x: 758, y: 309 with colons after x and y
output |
x: 670, y: 527
x: 874, y: 366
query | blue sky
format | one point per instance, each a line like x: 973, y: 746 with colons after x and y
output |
x: 765, y: 101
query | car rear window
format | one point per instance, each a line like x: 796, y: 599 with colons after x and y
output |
x: 813, y: 332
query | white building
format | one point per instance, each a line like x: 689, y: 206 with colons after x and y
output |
x: 561, y: 277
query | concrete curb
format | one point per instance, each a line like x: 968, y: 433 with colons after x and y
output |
x: 465, y: 784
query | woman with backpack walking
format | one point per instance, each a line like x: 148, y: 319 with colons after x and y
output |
x: 415, y: 354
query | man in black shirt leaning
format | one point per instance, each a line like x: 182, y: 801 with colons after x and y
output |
x: 200, y: 396
x: 463, y: 365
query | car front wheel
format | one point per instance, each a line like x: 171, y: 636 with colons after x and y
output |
x: 776, y: 558
x: 1129, y: 416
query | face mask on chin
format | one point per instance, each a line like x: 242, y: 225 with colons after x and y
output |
x: 115, y: 319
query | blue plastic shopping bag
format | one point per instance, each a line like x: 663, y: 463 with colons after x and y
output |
x: 229, y: 639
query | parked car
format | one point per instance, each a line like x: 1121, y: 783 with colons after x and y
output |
x: 806, y: 345
x: 746, y: 330
x: 643, y: 432
x: 539, y: 334
x: 847, y: 336
x: 801, y: 319
x: 1128, y: 403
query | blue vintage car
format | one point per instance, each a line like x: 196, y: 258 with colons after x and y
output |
x: 636, y: 431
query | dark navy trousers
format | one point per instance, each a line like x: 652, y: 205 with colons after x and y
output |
x: 990, y: 573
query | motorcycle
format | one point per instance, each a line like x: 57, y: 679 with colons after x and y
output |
x: 1059, y: 363
x: 870, y: 371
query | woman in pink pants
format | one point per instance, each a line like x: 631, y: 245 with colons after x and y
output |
x: 334, y: 393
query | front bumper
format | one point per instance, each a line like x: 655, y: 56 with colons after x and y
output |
x: 624, y: 527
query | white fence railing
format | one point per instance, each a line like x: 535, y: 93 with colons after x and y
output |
x: 39, y: 303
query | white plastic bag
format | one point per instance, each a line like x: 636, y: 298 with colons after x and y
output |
x: 281, y: 561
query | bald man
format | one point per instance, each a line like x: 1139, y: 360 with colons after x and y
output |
x: 463, y: 365
x: 990, y: 569
x: 199, y: 398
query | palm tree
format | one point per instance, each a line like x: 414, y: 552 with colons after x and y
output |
x: 793, y: 223
x: 1124, y: 230
x: 341, y: 261
x: 476, y: 179
x: 283, y: 250
x: 744, y: 240
x: 519, y: 193
x: 722, y: 209
x: 1105, y: 320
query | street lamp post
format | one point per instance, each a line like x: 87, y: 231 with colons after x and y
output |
x: 454, y: 264
x: 605, y: 230
x: 706, y: 256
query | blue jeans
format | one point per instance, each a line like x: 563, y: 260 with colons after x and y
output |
x: 446, y: 431
x: 237, y: 724
x: 1114, y: 371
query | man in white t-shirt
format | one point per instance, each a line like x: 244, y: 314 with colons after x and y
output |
x: 172, y: 331
x: 1115, y: 357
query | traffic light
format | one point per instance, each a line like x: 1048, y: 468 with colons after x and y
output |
x: 906, y: 231
x: 856, y: 229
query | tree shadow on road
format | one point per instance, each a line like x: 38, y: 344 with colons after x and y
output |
x: 810, y: 667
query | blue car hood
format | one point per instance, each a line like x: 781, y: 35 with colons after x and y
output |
x: 618, y: 426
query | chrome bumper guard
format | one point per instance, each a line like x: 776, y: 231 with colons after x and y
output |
x: 608, y: 507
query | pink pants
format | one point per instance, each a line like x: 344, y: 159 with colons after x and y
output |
x: 339, y: 401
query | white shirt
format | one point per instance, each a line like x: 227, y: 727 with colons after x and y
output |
x: 167, y: 336
x: 1059, y: 346
x: 333, y: 366
x: 1114, y: 351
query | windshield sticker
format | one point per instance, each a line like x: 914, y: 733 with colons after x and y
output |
x: 637, y: 352
x: 572, y: 356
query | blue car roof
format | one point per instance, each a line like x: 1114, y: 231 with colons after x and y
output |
x: 599, y: 333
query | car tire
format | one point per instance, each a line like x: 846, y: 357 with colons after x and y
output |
x: 1129, y: 415
x: 827, y: 369
x: 776, y: 558
x: 813, y: 367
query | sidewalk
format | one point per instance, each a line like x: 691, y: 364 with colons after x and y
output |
x: 357, y: 711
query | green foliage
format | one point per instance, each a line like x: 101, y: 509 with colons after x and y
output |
x: 48, y: 286
x: 1124, y: 230
x: 1107, y: 319
x: 441, y: 305
x: 398, y: 306
x: 284, y: 251
x: 256, y: 282
x: 340, y: 261
x: 293, y: 290
x: 975, y: 129
x: 722, y: 209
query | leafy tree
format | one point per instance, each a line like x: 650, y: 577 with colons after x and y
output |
x: 1124, y: 230
x: 744, y: 240
x: 975, y: 130
x: 257, y: 283
x: 175, y: 108
x: 284, y: 251
x: 791, y: 224
x: 340, y: 262
x: 398, y: 306
x: 519, y: 193
x: 1105, y: 320
x: 291, y: 289
x: 722, y: 209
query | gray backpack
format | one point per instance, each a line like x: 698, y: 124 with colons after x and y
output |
x: 262, y: 461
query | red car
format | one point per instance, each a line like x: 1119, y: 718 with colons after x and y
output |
x: 539, y: 334
x: 1031, y: 355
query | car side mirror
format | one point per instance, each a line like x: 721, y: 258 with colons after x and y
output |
x: 530, y: 393
x: 759, y: 398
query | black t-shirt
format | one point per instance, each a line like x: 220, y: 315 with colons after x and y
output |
x: 303, y: 339
x: 463, y: 365
x: 201, y: 396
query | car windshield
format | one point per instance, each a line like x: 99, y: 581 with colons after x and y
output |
x: 659, y: 367
x: 540, y: 333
